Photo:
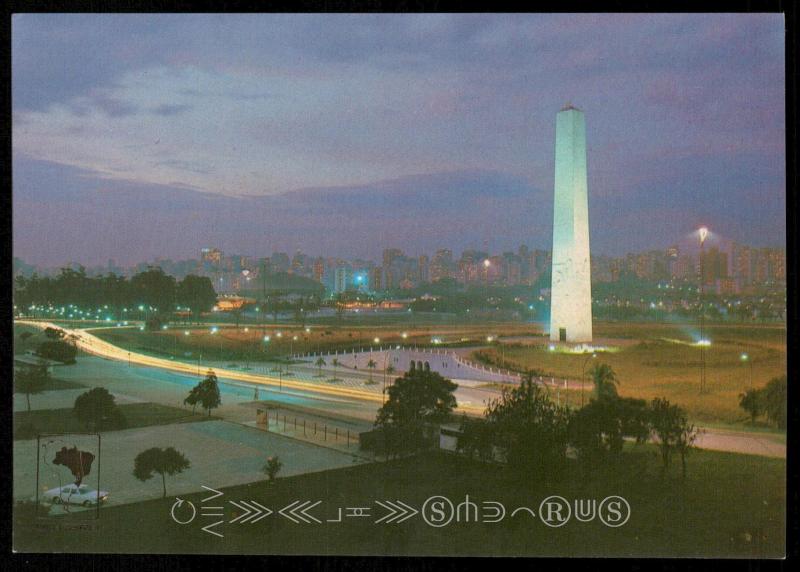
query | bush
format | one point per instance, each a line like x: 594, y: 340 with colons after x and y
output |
x: 57, y: 351
x: 272, y: 467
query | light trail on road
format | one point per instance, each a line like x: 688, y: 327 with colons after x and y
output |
x: 93, y: 345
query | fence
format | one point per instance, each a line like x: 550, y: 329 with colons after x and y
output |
x: 306, y: 429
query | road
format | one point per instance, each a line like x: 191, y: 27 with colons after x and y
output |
x: 347, y: 400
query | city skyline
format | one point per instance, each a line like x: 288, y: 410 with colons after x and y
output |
x: 352, y: 133
x: 728, y: 267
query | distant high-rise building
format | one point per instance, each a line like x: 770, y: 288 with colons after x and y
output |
x: 389, y: 256
x: 343, y: 276
x: 571, y: 290
x: 776, y: 264
x: 319, y: 269
x: 442, y: 265
x: 376, y: 279
x: 714, y: 265
x: 422, y: 267
x: 280, y: 262
x: 211, y: 255
x: 741, y: 263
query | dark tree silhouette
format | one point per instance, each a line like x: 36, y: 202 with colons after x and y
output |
x: 672, y: 430
x: 598, y: 430
x: 159, y: 461
x: 155, y: 288
x: 96, y: 409
x: 415, y: 401
x: 528, y: 431
x: 776, y: 401
x: 196, y: 293
x: 31, y: 382
x: 605, y: 381
x: 206, y: 394
x: 752, y: 401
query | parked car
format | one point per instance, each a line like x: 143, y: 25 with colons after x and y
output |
x: 73, y: 494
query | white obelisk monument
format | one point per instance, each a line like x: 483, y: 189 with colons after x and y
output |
x: 571, y: 292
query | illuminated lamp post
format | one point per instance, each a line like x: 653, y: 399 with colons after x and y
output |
x: 703, y: 233
x: 746, y: 359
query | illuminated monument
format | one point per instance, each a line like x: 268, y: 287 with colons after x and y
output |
x: 571, y: 292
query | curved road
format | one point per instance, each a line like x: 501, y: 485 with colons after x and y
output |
x: 93, y: 345
x: 715, y: 439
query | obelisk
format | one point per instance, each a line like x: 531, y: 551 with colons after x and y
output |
x: 571, y: 291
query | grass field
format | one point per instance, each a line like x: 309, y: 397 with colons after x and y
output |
x: 136, y: 415
x: 659, y: 360
x: 653, y: 359
x: 728, y: 506
x: 230, y: 343
x: 55, y: 384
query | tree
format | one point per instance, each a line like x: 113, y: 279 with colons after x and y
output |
x: 475, y: 440
x: 209, y: 393
x: 687, y: 435
x: 272, y: 467
x: 193, y: 398
x: 57, y: 350
x: 752, y: 402
x: 597, y: 431
x: 605, y: 381
x: 776, y: 401
x: 154, y: 288
x: 320, y: 363
x: 415, y: 401
x: 97, y: 409
x: 527, y: 430
x: 205, y: 393
x: 672, y: 430
x: 31, y: 382
x: 162, y: 461
x: 196, y: 293
x: 371, y: 365
x: 335, y: 363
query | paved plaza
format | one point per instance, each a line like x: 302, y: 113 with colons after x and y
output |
x: 221, y: 453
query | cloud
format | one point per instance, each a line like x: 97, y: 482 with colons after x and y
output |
x: 62, y: 213
x: 167, y: 109
x: 680, y: 108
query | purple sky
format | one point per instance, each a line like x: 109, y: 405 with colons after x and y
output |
x: 137, y: 136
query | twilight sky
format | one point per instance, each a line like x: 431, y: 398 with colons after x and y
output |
x: 137, y: 136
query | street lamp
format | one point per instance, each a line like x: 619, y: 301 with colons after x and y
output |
x: 746, y: 359
x: 703, y: 233
x: 583, y: 373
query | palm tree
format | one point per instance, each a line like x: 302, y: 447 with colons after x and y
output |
x: 319, y: 363
x: 335, y: 363
x: 371, y: 365
x: 605, y: 381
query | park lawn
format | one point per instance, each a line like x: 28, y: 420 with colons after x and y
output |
x: 231, y: 343
x: 660, y: 362
x: 729, y: 506
x: 136, y: 415
x: 55, y: 384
